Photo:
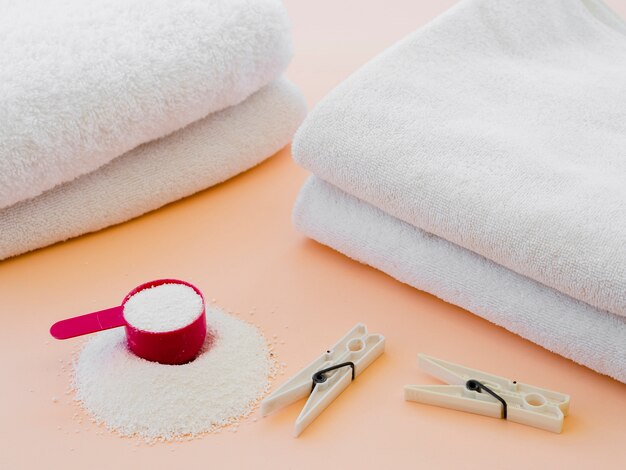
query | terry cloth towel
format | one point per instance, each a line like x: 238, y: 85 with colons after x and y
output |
x: 84, y: 82
x: 591, y: 337
x: 499, y: 127
x: 202, y: 154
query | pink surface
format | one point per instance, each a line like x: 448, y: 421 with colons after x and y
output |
x: 236, y: 243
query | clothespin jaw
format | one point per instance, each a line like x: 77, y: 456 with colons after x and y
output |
x: 326, y: 377
x: 486, y: 394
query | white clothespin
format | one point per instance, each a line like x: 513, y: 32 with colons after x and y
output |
x: 326, y: 377
x: 489, y: 395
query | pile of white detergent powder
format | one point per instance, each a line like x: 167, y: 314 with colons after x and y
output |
x: 157, y: 402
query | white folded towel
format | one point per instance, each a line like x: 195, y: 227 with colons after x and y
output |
x: 589, y: 336
x: 203, y: 154
x: 500, y: 127
x: 84, y: 82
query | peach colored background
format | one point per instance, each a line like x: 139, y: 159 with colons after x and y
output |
x: 235, y: 242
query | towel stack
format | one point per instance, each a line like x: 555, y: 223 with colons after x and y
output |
x: 483, y: 159
x: 111, y: 109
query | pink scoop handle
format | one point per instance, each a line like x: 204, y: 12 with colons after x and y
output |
x: 90, y: 323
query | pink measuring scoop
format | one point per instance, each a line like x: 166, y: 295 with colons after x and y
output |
x: 170, y: 347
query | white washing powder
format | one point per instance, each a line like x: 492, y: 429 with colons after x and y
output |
x: 164, y: 402
x: 165, y: 307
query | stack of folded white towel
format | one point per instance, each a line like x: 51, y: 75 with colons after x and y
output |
x: 483, y: 159
x: 113, y: 108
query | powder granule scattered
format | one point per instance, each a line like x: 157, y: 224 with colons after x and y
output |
x: 166, y: 307
x: 163, y: 402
